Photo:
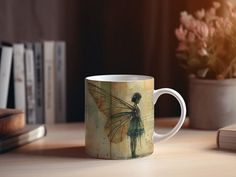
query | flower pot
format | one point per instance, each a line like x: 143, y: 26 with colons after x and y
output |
x: 212, y: 103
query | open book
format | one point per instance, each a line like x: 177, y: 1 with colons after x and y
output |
x: 226, y: 138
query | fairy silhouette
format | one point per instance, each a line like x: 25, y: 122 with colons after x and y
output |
x: 123, y: 119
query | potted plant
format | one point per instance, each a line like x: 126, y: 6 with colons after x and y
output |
x: 207, y: 51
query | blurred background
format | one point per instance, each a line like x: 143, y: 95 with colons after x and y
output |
x: 105, y: 37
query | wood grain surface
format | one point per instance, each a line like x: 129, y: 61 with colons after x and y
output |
x: 190, y: 153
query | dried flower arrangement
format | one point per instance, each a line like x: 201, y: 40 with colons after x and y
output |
x: 207, y: 42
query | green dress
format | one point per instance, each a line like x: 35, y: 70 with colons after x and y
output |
x: 136, y: 128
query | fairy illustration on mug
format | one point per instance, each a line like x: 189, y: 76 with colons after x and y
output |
x: 122, y: 118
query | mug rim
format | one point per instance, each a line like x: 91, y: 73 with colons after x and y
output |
x: 118, y: 78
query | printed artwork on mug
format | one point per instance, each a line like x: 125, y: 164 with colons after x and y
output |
x: 123, y: 118
x: 119, y: 116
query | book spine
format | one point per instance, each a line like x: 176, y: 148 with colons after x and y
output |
x: 5, y: 71
x: 39, y: 96
x: 60, y: 81
x: 11, y: 94
x: 218, y: 139
x: 49, y: 79
x: 24, y: 136
x: 19, y: 76
x: 30, y: 86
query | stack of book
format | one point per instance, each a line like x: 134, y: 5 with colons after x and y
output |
x: 14, y: 132
x: 226, y: 138
x: 33, y: 79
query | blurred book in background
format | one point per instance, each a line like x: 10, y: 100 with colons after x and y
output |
x: 5, y: 72
x: 19, y: 76
x: 36, y: 84
x: 22, y: 137
x: 226, y: 138
x: 39, y: 85
x: 60, y: 81
x: 14, y: 132
x: 49, y: 81
x: 30, y: 84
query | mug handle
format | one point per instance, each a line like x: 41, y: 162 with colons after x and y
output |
x: 157, y: 93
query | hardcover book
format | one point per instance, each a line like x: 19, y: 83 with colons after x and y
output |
x: 60, y: 81
x: 30, y: 84
x: 19, y: 76
x: 226, y: 138
x: 27, y: 135
x: 39, y: 96
x: 5, y: 73
x: 49, y: 82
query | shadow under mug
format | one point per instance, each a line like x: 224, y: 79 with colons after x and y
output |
x: 119, y: 116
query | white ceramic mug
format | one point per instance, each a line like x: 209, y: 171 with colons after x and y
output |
x: 119, y: 116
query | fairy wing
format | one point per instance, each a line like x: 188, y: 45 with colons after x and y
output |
x: 117, y: 111
x: 117, y: 127
x: 108, y: 104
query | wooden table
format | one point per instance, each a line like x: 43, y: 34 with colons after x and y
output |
x: 61, y: 153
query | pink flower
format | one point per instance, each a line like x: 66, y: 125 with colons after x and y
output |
x: 229, y: 5
x: 186, y: 19
x: 191, y: 37
x: 193, y: 25
x: 210, y: 15
x: 233, y: 14
x: 211, y: 31
x: 216, y: 5
x: 219, y: 22
x: 181, y: 33
x: 202, y: 31
x: 200, y: 14
x: 209, y: 37
x: 224, y: 25
x: 182, y: 47
x: 212, y: 12
x: 228, y: 25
